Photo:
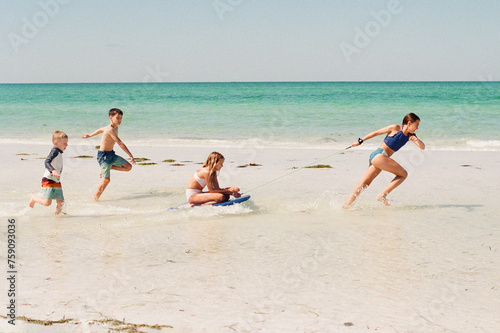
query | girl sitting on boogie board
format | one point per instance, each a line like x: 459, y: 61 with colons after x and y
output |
x: 207, y: 176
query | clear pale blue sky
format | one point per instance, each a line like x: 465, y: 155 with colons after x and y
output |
x: 248, y: 40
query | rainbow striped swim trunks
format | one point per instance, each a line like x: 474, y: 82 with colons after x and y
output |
x: 51, y: 189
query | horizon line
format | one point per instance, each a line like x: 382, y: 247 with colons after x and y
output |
x: 204, y: 82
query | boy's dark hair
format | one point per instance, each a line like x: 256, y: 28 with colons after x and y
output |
x: 114, y: 111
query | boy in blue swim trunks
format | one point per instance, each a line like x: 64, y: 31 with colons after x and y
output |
x: 51, y: 181
x: 106, y: 156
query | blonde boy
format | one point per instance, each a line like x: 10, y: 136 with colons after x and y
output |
x: 106, y: 156
x: 51, y: 181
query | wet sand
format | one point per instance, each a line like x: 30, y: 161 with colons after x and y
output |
x: 289, y: 260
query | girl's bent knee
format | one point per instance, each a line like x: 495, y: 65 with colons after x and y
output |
x: 220, y: 198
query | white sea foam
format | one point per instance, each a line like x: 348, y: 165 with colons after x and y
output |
x: 484, y: 145
x: 255, y: 143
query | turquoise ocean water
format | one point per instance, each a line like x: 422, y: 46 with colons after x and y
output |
x: 455, y: 115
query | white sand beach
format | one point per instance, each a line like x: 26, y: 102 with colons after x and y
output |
x: 289, y: 260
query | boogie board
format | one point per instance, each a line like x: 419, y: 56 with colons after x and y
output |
x: 225, y: 203
x: 234, y: 201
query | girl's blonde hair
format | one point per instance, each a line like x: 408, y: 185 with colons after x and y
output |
x: 211, y: 162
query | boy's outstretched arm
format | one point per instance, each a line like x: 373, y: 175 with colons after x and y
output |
x: 99, y: 131
x: 122, y: 146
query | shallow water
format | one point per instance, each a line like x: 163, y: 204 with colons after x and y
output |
x: 455, y: 115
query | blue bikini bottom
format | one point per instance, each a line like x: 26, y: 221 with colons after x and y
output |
x: 376, y: 152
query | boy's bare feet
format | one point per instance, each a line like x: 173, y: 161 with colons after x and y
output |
x: 32, y: 202
x: 59, y: 207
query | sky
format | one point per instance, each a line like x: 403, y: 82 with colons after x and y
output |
x: 60, y: 41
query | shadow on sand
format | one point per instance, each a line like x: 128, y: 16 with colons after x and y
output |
x: 469, y: 208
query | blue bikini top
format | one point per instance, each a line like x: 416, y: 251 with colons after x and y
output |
x: 396, y: 141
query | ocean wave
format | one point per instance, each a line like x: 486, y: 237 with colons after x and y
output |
x: 24, y: 141
x: 305, y: 143
x: 484, y: 144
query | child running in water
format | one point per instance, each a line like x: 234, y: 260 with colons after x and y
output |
x: 51, y: 181
x: 106, y: 156
x: 207, y: 176
x: 380, y: 159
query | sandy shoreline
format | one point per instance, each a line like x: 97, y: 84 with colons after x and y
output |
x: 290, y: 260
